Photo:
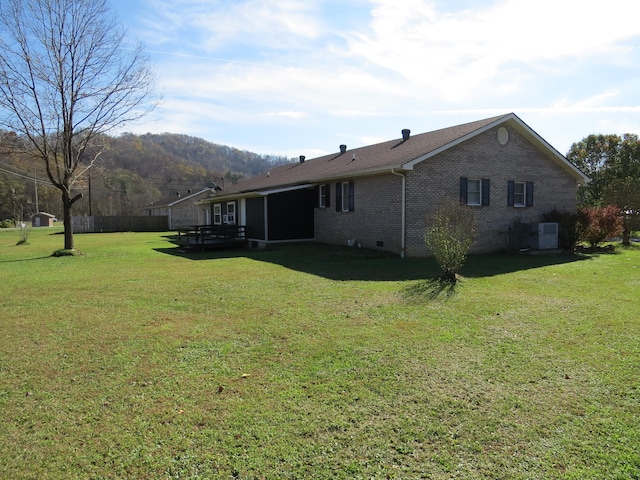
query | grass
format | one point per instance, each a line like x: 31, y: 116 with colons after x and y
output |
x: 133, y: 361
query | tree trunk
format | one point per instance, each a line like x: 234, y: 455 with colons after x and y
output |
x: 68, y: 227
x: 449, y: 277
x: 626, y: 236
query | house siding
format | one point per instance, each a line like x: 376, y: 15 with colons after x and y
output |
x: 375, y: 221
x: 184, y: 214
x: 437, y: 180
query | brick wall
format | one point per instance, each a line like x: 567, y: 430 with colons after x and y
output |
x: 437, y: 180
x: 375, y: 221
x: 185, y: 213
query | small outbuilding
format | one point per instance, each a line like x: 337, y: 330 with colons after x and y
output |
x: 43, y: 219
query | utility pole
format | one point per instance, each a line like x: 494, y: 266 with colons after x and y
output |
x: 35, y: 185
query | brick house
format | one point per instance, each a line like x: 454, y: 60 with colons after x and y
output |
x: 181, y: 210
x: 379, y: 196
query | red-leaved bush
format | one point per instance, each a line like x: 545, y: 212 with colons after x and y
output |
x: 602, y: 223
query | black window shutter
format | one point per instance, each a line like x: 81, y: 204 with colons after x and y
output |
x: 486, y: 186
x: 316, y: 202
x: 510, y: 189
x: 338, y: 197
x: 529, y: 200
x: 351, y: 196
x: 327, y: 195
x: 463, y: 190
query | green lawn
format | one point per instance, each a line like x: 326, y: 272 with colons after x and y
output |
x: 133, y: 361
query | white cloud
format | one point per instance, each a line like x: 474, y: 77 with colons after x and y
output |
x: 356, y: 71
x: 211, y: 25
x: 289, y: 114
x: 456, y: 55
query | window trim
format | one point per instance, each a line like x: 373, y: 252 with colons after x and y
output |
x: 528, y: 194
x: 478, y: 192
x: 484, y: 185
x: 217, y: 214
x: 345, y: 195
x: 231, y: 213
x: 323, y: 195
x: 519, y: 198
x: 344, y: 186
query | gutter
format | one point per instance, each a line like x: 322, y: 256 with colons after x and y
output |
x: 403, y: 229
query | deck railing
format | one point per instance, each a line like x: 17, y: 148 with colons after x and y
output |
x: 211, y: 235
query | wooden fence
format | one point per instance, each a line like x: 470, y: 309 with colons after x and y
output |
x: 95, y: 224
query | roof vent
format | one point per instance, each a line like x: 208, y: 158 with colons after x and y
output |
x: 405, y: 134
x: 302, y: 158
x: 343, y: 148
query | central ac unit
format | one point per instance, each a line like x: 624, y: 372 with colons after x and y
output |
x: 547, y: 236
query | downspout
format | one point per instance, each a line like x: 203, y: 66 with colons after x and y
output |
x: 266, y: 219
x: 403, y: 228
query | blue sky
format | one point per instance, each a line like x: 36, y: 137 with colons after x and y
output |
x: 301, y: 77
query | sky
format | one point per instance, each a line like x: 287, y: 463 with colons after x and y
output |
x: 301, y: 77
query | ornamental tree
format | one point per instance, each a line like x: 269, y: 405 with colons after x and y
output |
x: 602, y: 223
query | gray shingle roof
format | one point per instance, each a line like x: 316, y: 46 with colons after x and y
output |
x: 397, y: 153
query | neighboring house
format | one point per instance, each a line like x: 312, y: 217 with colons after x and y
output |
x: 379, y: 196
x: 182, y: 211
x: 43, y: 219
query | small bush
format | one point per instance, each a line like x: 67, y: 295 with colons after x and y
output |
x: 25, y: 229
x: 449, y: 235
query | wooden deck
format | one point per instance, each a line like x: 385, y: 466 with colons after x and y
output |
x: 204, y: 237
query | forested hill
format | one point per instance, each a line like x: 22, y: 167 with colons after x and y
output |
x: 184, y: 149
x: 140, y: 169
x: 166, y: 158
x: 134, y: 171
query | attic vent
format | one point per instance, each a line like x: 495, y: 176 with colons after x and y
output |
x: 405, y: 134
x: 302, y: 158
x: 343, y: 148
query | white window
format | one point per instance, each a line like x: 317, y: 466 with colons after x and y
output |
x: 474, y: 192
x: 345, y: 196
x: 519, y: 194
x: 217, y: 214
x: 231, y: 212
x: 322, y: 196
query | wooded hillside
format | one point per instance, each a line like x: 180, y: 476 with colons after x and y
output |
x: 134, y: 171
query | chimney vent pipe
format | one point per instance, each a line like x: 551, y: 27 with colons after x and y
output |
x: 302, y: 158
x: 343, y: 148
x: 405, y: 134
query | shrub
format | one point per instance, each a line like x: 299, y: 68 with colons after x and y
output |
x: 449, y: 235
x: 602, y: 223
x: 25, y: 229
x: 571, y: 227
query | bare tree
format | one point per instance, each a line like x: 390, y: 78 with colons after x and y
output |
x: 66, y: 77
